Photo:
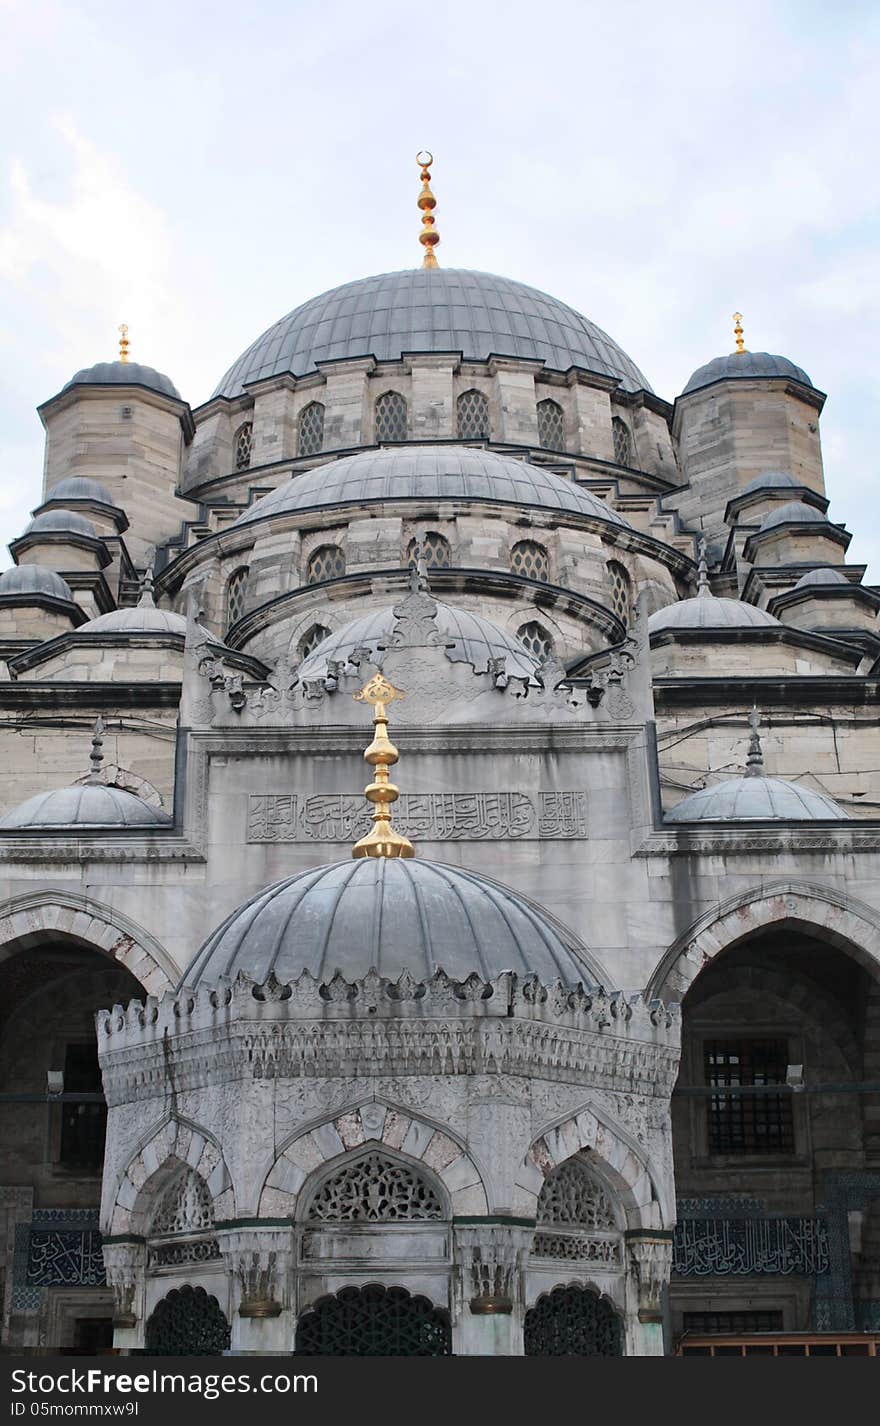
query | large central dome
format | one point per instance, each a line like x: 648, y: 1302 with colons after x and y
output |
x: 431, y: 310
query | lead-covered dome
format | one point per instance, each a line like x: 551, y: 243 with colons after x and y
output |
x: 124, y: 373
x: 705, y: 611
x: 745, y: 364
x: 428, y: 473
x: 757, y: 799
x: 80, y: 487
x: 27, y: 581
x: 392, y: 916
x: 84, y: 807
x: 431, y: 310
x: 61, y: 522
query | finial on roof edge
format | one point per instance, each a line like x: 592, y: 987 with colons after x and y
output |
x: 703, y: 570
x: 755, y: 758
x: 146, y: 600
x: 124, y: 343
x: 738, y: 332
x: 96, y: 756
x: 382, y: 840
x: 427, y: 202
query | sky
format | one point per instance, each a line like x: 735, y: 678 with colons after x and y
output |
x: 197, y: 170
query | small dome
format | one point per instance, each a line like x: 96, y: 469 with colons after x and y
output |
x: 428, y: 473
x: 474, y: 640
x: 756, y: 799
x: 61, y: 522
x: 394, y: 916
x: 137, y: 620
x: 748, y: 364
x: 821, y: 577
x: 771, y: 480
x: 25, y: 580
x: 704, y: 611
x: 80, y: 487
x: 795, y: 512
x: 82, y: 807
x: 124, y: 373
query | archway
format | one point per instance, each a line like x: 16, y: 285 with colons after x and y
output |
x: 373, y: 1321
x: 572, y: 1322
x: 187, y: 1322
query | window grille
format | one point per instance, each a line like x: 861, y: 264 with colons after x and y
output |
x: 83, y: 1126
x: 435, y: 550
x: 472, y: 411
x: 571, y: 1195
x: 242, y: 443
x: 711, y: 1324
x: 311, y: 429
x: 374, y: 1189
x: 235, y: 592
x: 187, y: 1323
x: 572, y: 1322
x: 742, y: 1123
x: 621, y: 590
x: 310, y: 641
x: 327, y: 562
x: 391, y: 417
x: 530, y: 559
x: 551, y: 426
x: 185, y: 1207
x: 373, y: 1321
x: 622, y: 441
x: 536, y: 639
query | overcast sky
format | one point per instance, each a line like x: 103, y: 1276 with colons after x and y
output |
x: 199, y: 169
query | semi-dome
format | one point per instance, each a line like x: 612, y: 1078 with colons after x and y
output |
x: 745, y: 364
x: 428, y: 473
x: 431, y: 310
x: 24, y: 581
x: 756, y: 799
x: 124, y: 373
x: 80, y: 487
x: 821, y: 577
x: 86, y: 806
x: 473, y: 640
x: 392, y: 916
x: 771, y: 480
x: 794, y: 512
x: 61, y: 522
x: 705, y: 611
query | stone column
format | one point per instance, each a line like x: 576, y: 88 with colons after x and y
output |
x: 260, y: 1261
x: 488, y: 1294
x: 124, y: 1264
x: 649, y: 1263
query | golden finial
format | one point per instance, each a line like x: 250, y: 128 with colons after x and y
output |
x: 382, y: 840
x: 427, y: 202
x: 738, y: 331
x: 124, y: 343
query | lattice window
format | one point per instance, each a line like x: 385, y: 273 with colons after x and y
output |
x: 710, y: 1324
x: 472, y: 413
x: 530, y: 559
x: 551, y: 425
x: 310, y: 439
x: 391, y: 417
x: 572, y: 1322
x: 327, y: 562
x: 536, y: 639
x: 622, y: 441
x: 235, y: 592
x: 187, y: 1323
x: 242, y: 443
x: 742, y: 1123
x: 571, y: 1195
x: 435, y: 550
x: 310, y: 641
x: 373, y: 1321
x: 374, y: 1189
x: 621, y: 590
x: 185, y: 1207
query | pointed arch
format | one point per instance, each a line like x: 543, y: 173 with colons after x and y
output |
x: 616, y: 1156
x: 67, y: 915
x: 175, y: 1144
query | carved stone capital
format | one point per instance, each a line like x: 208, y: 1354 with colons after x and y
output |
x: 261, y: 1260
x: 650, y: 1257
x: 124, y: 1266
x: 491, y: 1259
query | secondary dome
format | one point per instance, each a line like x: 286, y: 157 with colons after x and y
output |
x: 771, y: 480
x: 136, y: 620
x: 391, y: 915
x: 705, y: 611
x: 24, y: 581
x: 80, y: 487
x: 83, y: 807
x: 61, y: 522
x: 756, y: 799
x: 431, y: 310
x: 428, y: 473
x: 793, y: 513
x: 821, y: 577
x: 124, y: 373
x: 745, y: 364
x: 474, y: 640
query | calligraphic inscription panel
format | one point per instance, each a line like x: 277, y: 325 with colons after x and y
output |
x: 426, y: 816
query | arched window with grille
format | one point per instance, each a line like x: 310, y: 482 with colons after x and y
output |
x: 373, y: 1321
x: 536, y: 639
x: 530, y: 559
x: 472, y: 416
x: 310, y: 435
x: 572, y: 1322
x: 434, y: 548
x: 622, y: 441
x: 621, y: 590
x: 326, y: 562
x: 235, y: 591
x: 242, y: 443
x: 551, y: 425
x: 188, y: 1322
x: 311, y: 639
x: 391, y: 417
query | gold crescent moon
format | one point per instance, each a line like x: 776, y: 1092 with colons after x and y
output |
x: 422, y: 161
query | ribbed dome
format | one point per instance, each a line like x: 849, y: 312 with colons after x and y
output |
x: 428, y: 473
x: 795, y: 512
x: 89, y: 805
x: 138, y: 620
x: 393, y: 916
x: 25, y: 580
x: 821, y: 577
x: 745, y: 364
x: 124, y: 373
x: 704, y: 611
x: 752, y: 799
x: 61, y: 522
x: 474, y: 640
x: 431, y: 310
x: 80, y: 487
x: 771, y: 480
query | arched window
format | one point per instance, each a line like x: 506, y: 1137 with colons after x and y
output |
x: 576, y: 1219
x: 182, y: 1226
x: 536, y: 639
x: 434, y: 548
x: 235, y: 592
x: 472, y: 412
x: 373, y: 1321
x: 374, y: 1189
x: 572, y: 1322
x: 310, y: 439
x: 551, y: 425
x: 241, y: 445
x: 187, y: 1323
x: 391, y: 417
x: 327, y: 562
x: 621, y: 590
x: 310, y: 641
x: 622, y: 441
x: 530, y: 559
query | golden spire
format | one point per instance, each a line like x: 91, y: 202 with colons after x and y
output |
x: 427, y: 202
x: 381, y: 840
x: 738, y: 331
x: 124, y: 343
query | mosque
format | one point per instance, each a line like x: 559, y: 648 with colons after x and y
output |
x: 566, y: 1041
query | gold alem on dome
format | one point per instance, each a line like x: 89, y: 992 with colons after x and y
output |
x: 427, y: 202
x: 738, y: 331
x: 382, y: 840
x: 124, y: 343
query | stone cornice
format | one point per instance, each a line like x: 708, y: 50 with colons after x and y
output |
x: 731, y: 839
x: 775, y: 690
